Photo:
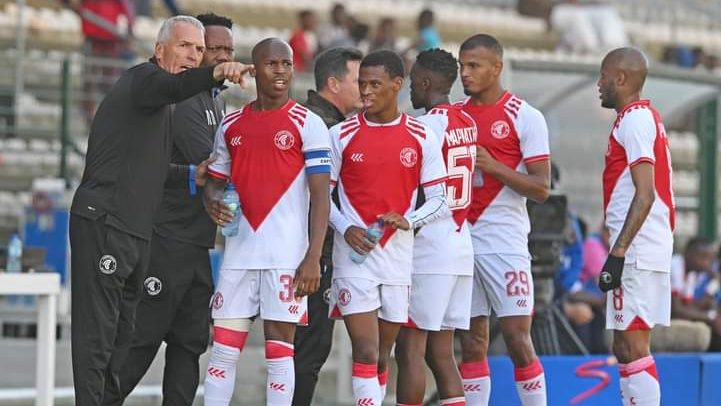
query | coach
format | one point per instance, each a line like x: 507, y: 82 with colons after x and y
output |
x: 112, y: 213
x: 178, y: 285
x: 336, y: 79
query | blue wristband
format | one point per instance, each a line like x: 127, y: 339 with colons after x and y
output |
x: 191, y: 180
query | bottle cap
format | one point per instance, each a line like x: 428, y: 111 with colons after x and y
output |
x: 230, y: 186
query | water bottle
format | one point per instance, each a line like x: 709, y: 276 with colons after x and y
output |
x: 230, y: 198
x: 373, y: 234
x: 15, y: 254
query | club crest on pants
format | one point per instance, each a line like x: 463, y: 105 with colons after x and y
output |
x: 344, y: 297
x: 108, y: 265
x: 153, y: 285
x: 217, y: 301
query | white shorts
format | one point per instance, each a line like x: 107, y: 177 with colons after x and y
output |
x: 642, y: 301
x: 243, y: 294
x: 440, y: 302
x: 358, y: 295
x: 502, y: 283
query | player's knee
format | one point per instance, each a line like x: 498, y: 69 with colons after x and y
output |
x: 520, y: 348
x: 365, y: 352
x: 474, y: 346
x: 627, y: 350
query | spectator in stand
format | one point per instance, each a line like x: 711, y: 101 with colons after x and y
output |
x: 304, y: 42
x: 102, y: 26
x: 336, y: 33
x: 428, y: 36
x: 584, y: 305
x: 385, y: 36
x: 695, y: 288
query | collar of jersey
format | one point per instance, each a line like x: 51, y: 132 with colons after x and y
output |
x: 369, y: 123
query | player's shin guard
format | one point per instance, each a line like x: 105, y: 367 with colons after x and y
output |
x: 531, y: 384
x: 366, y: 388
x: 383, y: 382
x: 476, y: 382
x: 641, y: 386
x: 281, y: 374
x: 220, y: 375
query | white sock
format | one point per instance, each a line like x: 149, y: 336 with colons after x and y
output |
x: 461, y: 401
x: 623, y: 383
x: 220, y: 375
x: 281, y: 373
x: 476, y: 382
x: 642, y: 388
x: 383, y: 382
x: 531, y: 384
x: 366, y: 388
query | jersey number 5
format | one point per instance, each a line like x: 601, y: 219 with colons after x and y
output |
x: 460, y: 172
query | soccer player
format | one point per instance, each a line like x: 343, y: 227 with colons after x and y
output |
x: 380, y: 157
x: 276, y: 152
x: 177, y: 290
x: 442, y: 252
x: 512, y: 164
x: 639, y: 211
x: 337, y: 95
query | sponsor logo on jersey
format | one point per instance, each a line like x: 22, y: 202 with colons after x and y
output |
x: 217, y: 301
x: 235, y: 141
x: 153, y: 286
x: 357, y: 157
x: 409, y: 157
x: 500, y: 129
x: 344, y: 297
x: 108, y: 265
x: 284, y: 140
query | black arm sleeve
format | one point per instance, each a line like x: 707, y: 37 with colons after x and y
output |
x: 153, y: 87
x: 177, y: 177
x: 191, y: 132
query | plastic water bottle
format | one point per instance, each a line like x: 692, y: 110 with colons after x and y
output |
x: 230, y: 198
x: 373, y: 234
x: 15, y: 254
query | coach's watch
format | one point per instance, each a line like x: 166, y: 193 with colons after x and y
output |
x: 711, y: 314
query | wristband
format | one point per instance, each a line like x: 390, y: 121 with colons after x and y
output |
x: 191, y: 180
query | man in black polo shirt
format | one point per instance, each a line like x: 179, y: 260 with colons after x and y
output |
x: 336, y: 79
x: 113, y: 210
x: 178, y: 286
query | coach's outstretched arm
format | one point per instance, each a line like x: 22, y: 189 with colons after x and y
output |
x: 153, y: 87
x: 535, y: 185
x: 307, y: 277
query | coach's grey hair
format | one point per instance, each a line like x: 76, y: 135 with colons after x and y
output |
x: 167, y: 28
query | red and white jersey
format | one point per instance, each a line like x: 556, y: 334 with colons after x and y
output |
x: 378, y: 168
x: 638, y: 135
x: 515, y: 134
x: 444, y: 246
x: 268, y: 156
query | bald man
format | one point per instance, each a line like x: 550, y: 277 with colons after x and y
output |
x: 639, y: 211
x: 276, y: 153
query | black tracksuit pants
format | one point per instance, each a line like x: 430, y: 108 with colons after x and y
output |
x: 108, y: 267
x: 313, y: 342
x: 175, y: 309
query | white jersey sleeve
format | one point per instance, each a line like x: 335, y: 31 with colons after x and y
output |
x: 316, y: 145
x: 220, y: 168
x: 336, y: 154
x: 433, y: 168
x: 637, y: 134
x: 437, y: 123
x: 532, y: 134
